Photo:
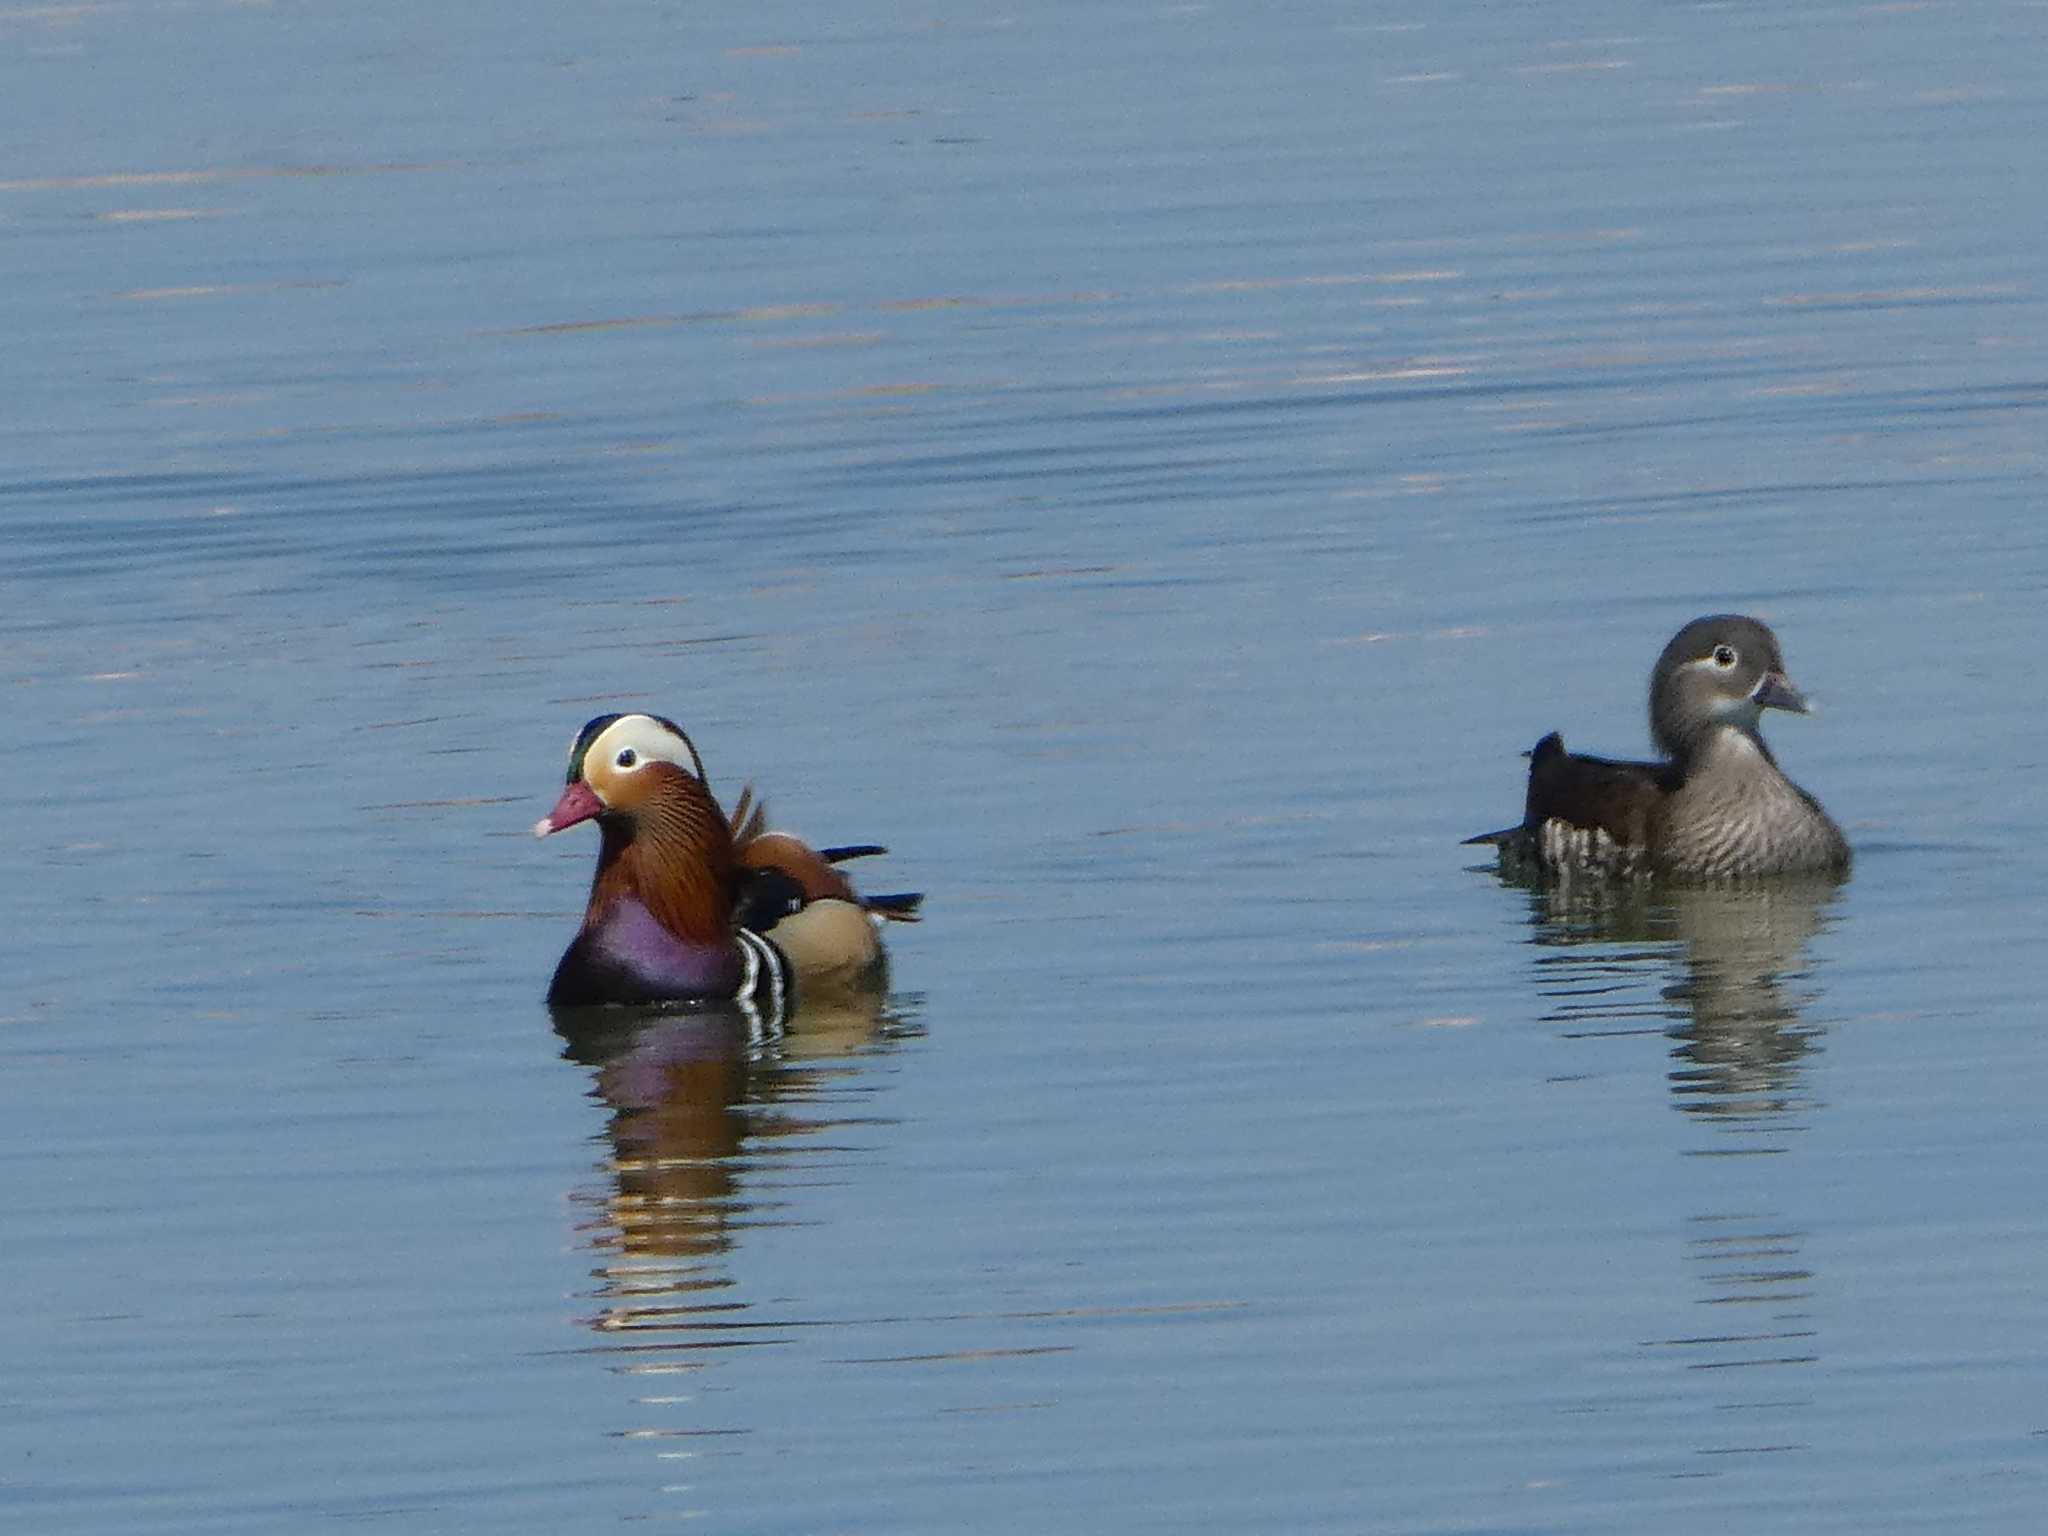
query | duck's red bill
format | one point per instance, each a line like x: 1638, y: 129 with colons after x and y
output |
x: 579, y: 802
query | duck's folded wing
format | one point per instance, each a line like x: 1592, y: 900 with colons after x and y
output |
x: 1594, y: 793
x: 779, y: 874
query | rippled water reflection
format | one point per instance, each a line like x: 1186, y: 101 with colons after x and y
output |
x: 1733, y: 978
x: 702, y: 1122
x: 1725, y: 976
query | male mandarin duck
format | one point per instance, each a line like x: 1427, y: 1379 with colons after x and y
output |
x: 1717, y: 807
x: 687, y: 905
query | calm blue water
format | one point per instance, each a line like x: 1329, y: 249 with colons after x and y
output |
x: 1154, y: 467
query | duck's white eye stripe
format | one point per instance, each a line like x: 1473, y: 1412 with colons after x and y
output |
x: 633, y: 741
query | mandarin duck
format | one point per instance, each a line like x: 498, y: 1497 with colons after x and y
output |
x: 1716, y: 807
x: 690, y: 906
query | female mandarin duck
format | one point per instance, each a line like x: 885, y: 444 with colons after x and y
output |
x: 1717, y: 807
x: 688, y: 906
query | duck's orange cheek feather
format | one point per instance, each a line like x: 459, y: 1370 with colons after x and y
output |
x: 579, y: 802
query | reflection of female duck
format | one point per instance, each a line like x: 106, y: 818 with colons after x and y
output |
x: 1740, y: 1037
x: 1717, y: 807
x: 1733, y: 958
x: 687, y: 906
x: 1746, y: 1035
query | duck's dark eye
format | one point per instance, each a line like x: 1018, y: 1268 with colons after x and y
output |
x: 1724, y: 656
x: 627, y: 757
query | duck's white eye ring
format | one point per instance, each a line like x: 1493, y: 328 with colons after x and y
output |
x: 1724, y: 656
x: 627, y: 757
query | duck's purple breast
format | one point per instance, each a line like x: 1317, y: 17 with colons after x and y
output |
x: 627, y: 936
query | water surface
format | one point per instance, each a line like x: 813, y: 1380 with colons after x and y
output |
x: 1154, y: 467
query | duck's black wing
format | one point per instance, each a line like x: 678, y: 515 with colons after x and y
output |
x: 1590, y: 794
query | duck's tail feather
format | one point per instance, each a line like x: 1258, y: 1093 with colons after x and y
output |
x: 778, y: 882
x: 901, y: 907
x: 1499, y: 839
x: 845, y: 851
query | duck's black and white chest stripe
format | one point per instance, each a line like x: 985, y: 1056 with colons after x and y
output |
x: 769, y: 982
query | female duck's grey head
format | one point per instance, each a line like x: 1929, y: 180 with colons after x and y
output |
x: 1723, y: 670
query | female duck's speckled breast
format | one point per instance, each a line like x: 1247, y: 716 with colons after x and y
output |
x: 1737, y: 815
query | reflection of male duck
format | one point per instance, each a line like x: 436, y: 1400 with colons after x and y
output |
x: 676, y: 1085
x: 688, y: 1092
x: 1737, y: 1024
